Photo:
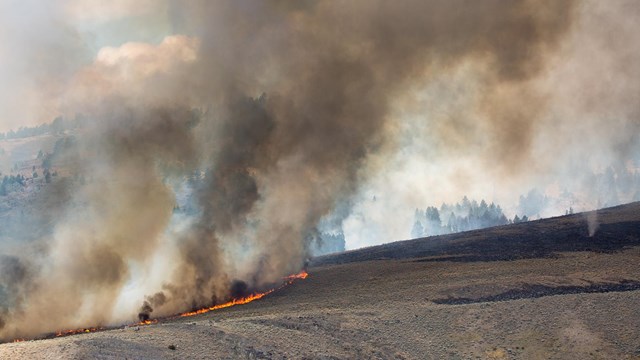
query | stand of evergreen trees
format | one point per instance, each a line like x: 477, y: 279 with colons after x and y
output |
x: 461, y: 216
x: 327, y: 243
x: 11, y: 183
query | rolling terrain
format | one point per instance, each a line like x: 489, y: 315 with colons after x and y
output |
x: 538, y: 290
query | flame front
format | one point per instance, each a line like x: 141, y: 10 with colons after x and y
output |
x: 78, y: 331
x: 301, y: 275
x: 244, y: 300
x: 233, y: 302
x: 147, y: 322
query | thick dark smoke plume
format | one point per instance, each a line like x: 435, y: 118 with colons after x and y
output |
x: 264, y: 116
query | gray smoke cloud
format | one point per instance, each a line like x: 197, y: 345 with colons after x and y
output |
x: 210, y: 157
x: 34, y: 60
x: 559, y: 131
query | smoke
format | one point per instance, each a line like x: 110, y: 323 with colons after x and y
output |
x: 557, y: 131
x: 34, y: 61
x: 592, y: 222
x: 212, y: 155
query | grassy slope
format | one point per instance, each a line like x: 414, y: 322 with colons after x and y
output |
x: 387, y: 302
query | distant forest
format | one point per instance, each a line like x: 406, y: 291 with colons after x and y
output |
x: 461, y: 216
x: 58, y: 125
x: 12, y: 183
x: 613, y: 186
x: 327, y: 243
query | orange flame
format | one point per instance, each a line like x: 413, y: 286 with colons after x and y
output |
x: 288, y: 280
x: 233, y: 302
x: 301, y: 275
x: 77, y: 331
x: 147, y: 322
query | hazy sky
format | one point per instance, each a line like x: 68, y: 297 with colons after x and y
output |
x: 44, y: 43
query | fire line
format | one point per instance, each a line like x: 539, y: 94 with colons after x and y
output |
x: 244, y: 300
x: 288, y: 280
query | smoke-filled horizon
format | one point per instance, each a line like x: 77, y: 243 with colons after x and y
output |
x: 271, y: 119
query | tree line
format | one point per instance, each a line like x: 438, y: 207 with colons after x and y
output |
x: 461, y: 216
x: 11, y: 183
x: 57, y: 126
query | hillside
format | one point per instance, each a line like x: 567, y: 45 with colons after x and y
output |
x: 615, y: 228
x: 537, y: 290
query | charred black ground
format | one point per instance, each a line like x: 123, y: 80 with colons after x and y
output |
x: 618, y: 227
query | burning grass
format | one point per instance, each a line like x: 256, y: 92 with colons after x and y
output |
x: 247, y: 299
x: 288, y: 280
x: 78, y: 331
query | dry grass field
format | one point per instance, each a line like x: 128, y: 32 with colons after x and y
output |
x: 537, y: 290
